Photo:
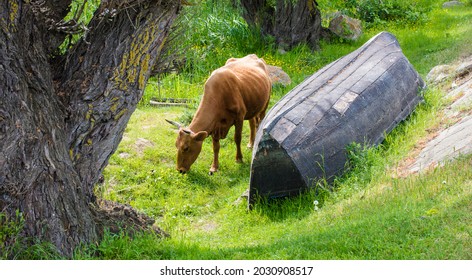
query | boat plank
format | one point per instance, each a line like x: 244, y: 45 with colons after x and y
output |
x: 357, y: 98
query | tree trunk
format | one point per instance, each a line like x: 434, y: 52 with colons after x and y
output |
x: 61, y: 117
x: 290, y: 22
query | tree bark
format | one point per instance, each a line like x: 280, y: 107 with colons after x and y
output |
x: 61, y: 117
x: 290, y: 22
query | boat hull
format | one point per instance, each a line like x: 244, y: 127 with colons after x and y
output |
x: 356, y: 99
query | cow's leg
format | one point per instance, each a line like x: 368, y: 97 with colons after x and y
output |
x: 252, y: 126
x: 216, y: 150
x: 260, y: 118
x: 238, y: 130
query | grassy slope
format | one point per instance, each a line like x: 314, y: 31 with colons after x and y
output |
x: 372, y: 214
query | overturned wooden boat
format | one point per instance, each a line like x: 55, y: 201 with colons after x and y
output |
x: 357, y: 98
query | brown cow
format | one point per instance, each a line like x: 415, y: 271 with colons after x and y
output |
x: 238, y: 91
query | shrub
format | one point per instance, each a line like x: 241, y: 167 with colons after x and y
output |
x: 375, y: 12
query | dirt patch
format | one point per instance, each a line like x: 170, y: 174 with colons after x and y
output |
x: 207, y: 226
x: 124, y: 155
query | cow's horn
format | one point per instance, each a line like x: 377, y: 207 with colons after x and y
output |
x: 176, y: 124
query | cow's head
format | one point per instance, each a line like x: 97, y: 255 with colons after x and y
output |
x: 189, y: 146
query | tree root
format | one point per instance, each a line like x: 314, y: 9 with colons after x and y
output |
x: 117, y: 217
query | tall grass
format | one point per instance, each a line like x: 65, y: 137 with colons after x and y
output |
x: 215, y: 31
x: 14, y: 245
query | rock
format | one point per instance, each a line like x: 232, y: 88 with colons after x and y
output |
x: 142, y: 144
x: 460, y: 91
x: 346, y: 27
x: 452, y: 4
x: 464, y: 68
x: 450, y: 143
x: 453, y: 140
x: 281, y: 50
x: 439, y: 74
x: 278, y: 76
x: 444, y: 72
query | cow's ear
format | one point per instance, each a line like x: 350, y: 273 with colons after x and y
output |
x: 200, y: 136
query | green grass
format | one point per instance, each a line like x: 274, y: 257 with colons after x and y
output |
x: 415, y: 218
x: 14, y: 245
x: 373, y: 212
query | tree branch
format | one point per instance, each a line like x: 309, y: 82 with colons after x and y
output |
x: 50, y: 14
x: 104, y: 77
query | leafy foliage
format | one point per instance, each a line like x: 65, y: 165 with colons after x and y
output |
x: 81, y: 12
x: 379, y: 12
x: 374, y: 11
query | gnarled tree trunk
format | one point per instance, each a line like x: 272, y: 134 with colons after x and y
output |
x: 62, y: 116
x: 290, y: 22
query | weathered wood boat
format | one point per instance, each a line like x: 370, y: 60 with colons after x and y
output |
x: 357, y: 98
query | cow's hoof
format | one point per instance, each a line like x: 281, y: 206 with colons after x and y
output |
x: 249, y: 146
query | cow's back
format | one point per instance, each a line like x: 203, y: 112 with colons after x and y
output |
x: 247, y: 79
